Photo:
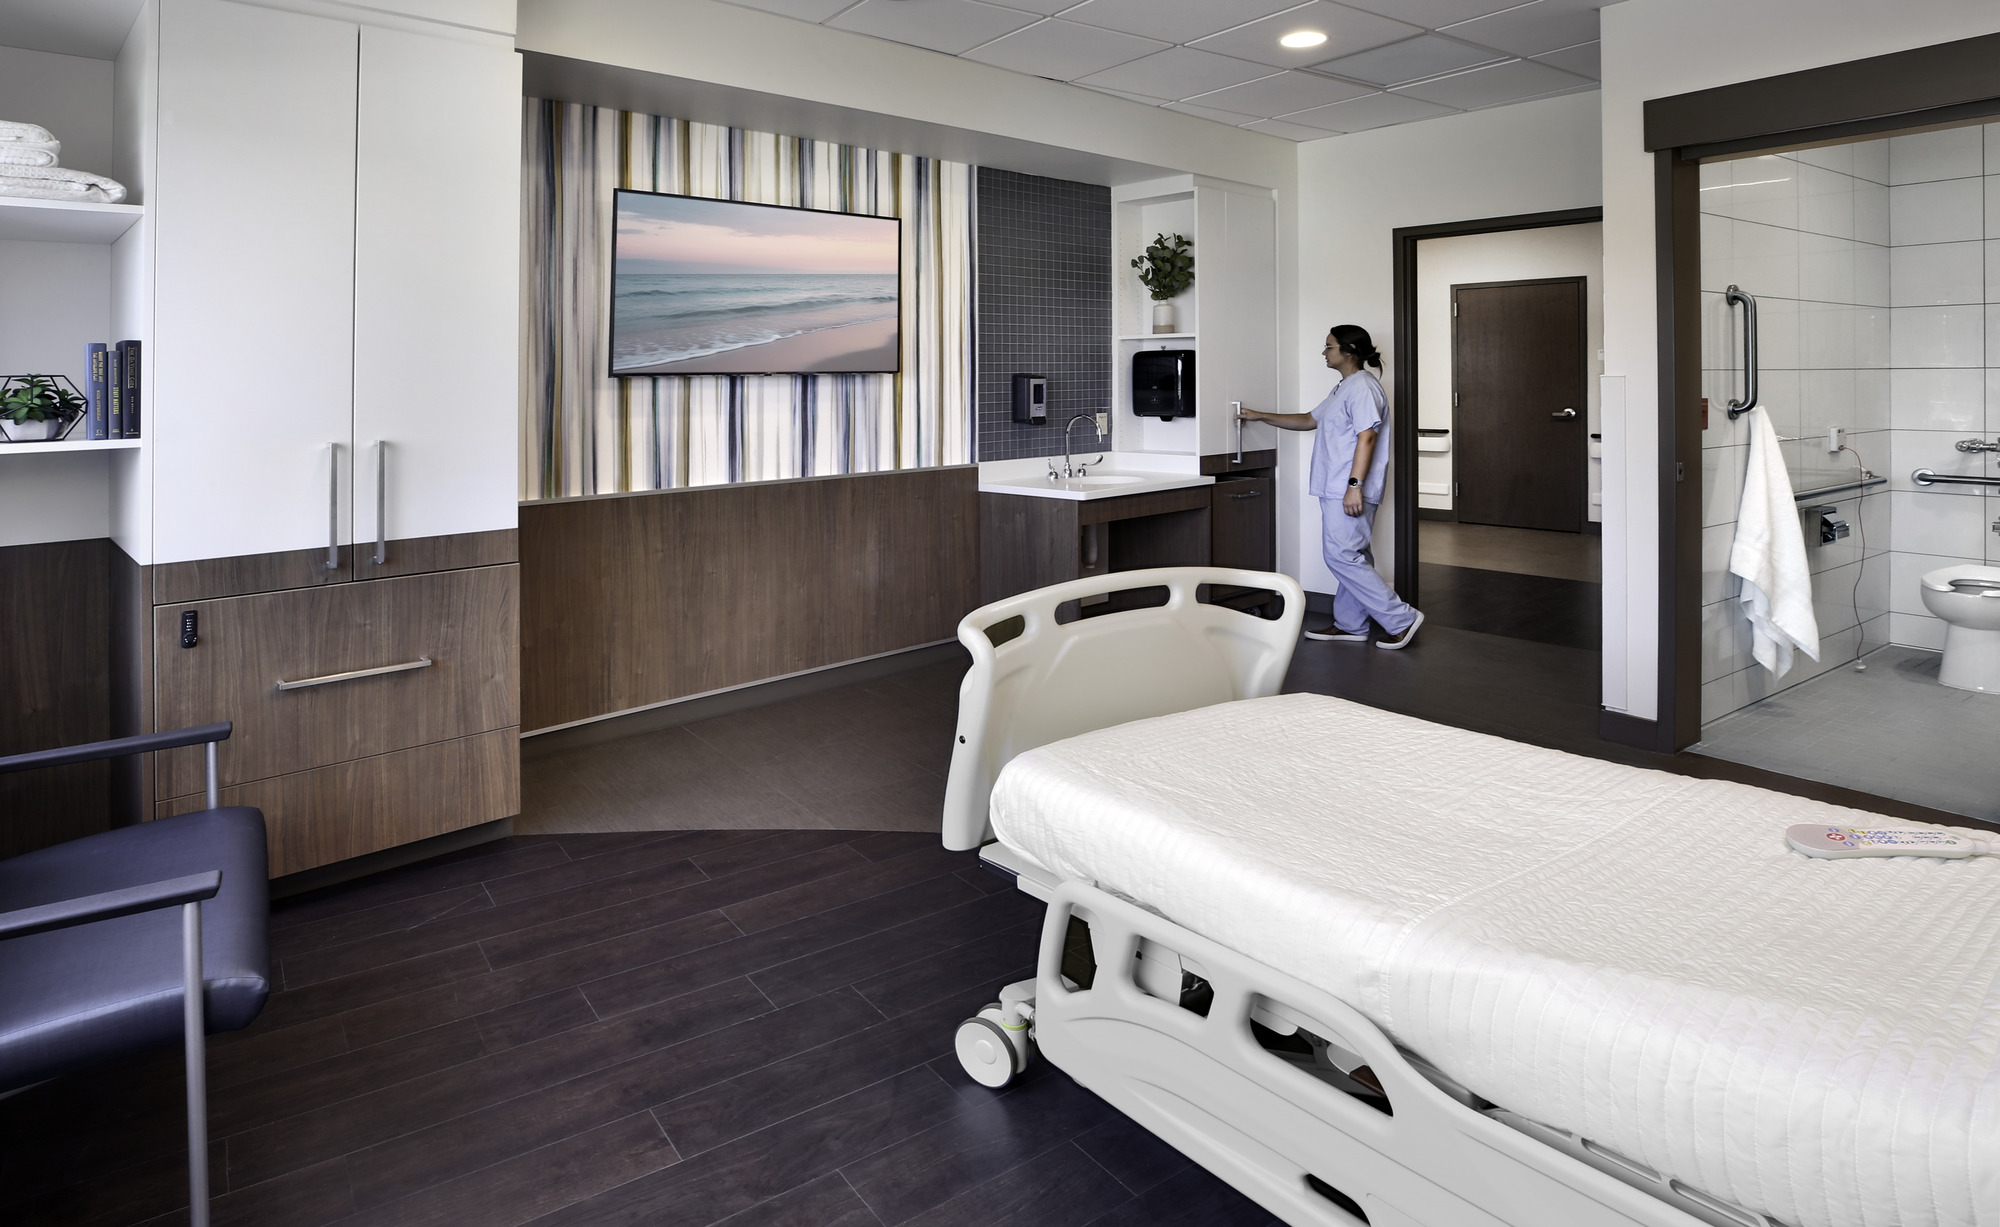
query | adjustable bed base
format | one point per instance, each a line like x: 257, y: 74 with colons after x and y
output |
x: 1283, y: 1089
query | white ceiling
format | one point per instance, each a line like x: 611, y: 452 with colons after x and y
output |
x: 1384, y: 62
x: 95, y: 29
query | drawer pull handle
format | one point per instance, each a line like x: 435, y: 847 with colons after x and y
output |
x: 1247, y: 494
x: 422, y: 662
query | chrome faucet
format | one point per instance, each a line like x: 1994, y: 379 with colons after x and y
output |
x: 1977, y: 445
x: 1071, y: 468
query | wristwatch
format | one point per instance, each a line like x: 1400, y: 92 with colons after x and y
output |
x: 1353, y: 482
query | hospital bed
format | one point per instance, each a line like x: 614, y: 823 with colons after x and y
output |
x: 1369, y: 969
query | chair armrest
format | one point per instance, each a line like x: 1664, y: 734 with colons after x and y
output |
x: 110, y: 904
x: 117, y: 747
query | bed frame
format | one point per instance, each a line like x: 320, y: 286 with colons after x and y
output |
x: 1280, y: 1089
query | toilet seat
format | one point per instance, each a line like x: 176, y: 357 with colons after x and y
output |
x: 1969, y: 574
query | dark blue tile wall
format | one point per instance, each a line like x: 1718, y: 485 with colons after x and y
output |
x: 1044, y: 306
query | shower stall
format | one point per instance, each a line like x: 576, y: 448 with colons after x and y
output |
x: 1851, y: 293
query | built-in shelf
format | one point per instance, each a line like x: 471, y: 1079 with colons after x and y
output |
x: 1159, y: 336
x: 62, y: 221
x: 68, y: 445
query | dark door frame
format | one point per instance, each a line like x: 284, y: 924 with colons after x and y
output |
x: 1403, y: 399
x: 1929, y: 87
x: 1582, y: 285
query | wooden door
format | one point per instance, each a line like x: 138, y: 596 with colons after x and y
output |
x: 1520, y: 423
x: 437, y: 287
x: 251, y: 414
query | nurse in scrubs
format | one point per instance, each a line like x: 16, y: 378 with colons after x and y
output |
x: 1350, y: 460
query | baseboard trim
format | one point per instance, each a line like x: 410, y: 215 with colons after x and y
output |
x: 675, y: 712
x: 1628, y: 730
x: 389, y: 858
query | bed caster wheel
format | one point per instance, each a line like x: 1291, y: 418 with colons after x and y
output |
x: 992, y: 1052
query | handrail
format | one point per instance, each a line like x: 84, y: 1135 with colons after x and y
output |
x: 1924, y: 477
x: 1737, y: 408
x: 1863, y: 483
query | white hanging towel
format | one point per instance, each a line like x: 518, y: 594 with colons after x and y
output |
x: 1770, y: 557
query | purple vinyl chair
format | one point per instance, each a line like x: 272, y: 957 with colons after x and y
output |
x: 104, y: 939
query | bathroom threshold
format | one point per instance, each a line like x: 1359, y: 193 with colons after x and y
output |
x: 1892, y: 730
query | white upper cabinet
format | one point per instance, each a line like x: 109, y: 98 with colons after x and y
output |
x: 1239, y: 311
x: 436, y: 286
x: 252, y: 354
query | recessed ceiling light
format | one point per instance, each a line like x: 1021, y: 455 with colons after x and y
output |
x: 1302, y: 38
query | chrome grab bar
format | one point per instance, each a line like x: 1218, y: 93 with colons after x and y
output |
x: 421, y: 662
x: 1924, y: 477
x: 1236, y: 407
x: 333, y: 507
x: 381, y: 502
x: 1734, y: 296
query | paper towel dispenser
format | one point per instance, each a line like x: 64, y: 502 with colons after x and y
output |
x: 1163, y: 383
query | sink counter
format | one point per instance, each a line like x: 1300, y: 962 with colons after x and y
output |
x: 1117, y: 475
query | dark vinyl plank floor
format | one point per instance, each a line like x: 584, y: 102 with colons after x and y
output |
x: 682, y: 1028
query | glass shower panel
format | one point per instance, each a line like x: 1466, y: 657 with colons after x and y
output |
x: 1805, y: 234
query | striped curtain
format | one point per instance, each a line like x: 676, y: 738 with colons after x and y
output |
x: 584, y: 432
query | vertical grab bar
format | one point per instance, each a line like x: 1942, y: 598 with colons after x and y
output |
x: 333, y: 507
x: 1236, y: 407
x: 381, y: 502
x: 1734, y: 296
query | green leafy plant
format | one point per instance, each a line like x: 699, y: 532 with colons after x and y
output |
x: 1166, y: 269
x: 39, y: 398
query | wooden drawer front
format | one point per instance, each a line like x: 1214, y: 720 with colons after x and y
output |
x: 466, y: 622
x: 317, y: 817
x: 1244, y: 526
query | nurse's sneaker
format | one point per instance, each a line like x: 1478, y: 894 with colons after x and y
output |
x: 1333, y: 634
x: 1403, y: 640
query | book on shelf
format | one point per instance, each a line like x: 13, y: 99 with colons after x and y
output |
x: 115, y: 392
x: 129, y: 390
x: 97, y: 400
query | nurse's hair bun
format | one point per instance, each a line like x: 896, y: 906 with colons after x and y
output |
x: 1354, y: 339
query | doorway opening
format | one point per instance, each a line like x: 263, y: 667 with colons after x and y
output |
x: 1498, y: 501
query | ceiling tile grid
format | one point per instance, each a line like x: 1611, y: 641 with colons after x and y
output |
x: 1381, y: 62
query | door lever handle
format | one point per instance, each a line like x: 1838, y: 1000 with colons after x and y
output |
x: 1564, y: 415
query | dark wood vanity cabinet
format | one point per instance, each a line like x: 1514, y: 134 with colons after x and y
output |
x: 1243, y: 523
x: 1027, y: 542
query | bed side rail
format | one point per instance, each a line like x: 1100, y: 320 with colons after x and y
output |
x: 1046, y: 680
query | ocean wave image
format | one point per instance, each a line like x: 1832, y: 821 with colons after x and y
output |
x: 706, y: 286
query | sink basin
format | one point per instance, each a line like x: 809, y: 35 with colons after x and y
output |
x: 1092, y: 481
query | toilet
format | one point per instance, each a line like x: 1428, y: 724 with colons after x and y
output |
x: 1967, y: 597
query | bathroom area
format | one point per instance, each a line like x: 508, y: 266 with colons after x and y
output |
x: 1851, y: 294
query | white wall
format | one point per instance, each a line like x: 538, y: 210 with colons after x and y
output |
x: 1354, y: 191
x: 1654, y: 49
x: 1509, y: 255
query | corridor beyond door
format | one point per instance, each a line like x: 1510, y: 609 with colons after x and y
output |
x: 1520, y: 421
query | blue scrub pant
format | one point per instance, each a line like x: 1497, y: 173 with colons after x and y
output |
x: 1350, y: 555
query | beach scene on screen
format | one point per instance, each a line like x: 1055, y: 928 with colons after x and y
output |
x: 721, y: 287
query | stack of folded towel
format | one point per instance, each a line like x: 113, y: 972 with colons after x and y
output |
x: 28, y: 156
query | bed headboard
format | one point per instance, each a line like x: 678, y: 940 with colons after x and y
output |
x: 1055, y: 680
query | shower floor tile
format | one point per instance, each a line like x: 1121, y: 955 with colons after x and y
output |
x: 1892, y: 730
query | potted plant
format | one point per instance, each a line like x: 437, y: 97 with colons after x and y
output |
x: 38, y: 407
x: 1165, y: 270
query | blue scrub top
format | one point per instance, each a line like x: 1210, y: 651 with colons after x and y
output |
x: 1354, y: 405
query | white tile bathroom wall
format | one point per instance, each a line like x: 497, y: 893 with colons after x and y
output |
x: 1944, y: 294
x: 1808, y: 234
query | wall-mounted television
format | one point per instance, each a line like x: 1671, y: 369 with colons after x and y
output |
x: 723, y: 287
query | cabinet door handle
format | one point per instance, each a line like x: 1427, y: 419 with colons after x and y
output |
x: 421, y: 662
x: 333, y: 507
x: 1236, y: 407
x: 381, y: 502
x: 1248, y: 494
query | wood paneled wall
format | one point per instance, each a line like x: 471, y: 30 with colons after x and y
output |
x: 55, y: 687
x: 629, y: 600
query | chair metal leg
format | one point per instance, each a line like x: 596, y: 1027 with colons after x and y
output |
x: 197, y: 1064
x: 213, y: 791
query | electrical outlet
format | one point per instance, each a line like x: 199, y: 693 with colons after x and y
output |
x: 1103, y: 424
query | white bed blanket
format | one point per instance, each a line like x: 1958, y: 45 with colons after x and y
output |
x: 1626, y: 954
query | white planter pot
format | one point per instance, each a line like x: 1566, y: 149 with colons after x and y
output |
x: 1163, y: 317
x: 30, y: 432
